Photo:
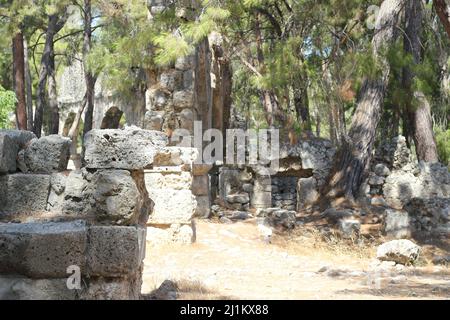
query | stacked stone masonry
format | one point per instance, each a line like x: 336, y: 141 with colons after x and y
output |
x: 57, y: 224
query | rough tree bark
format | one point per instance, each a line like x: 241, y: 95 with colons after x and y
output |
x: 353, y: 157
x: 442, y: 8
x: 19, y: 80
x: 89, y: 78
x: 53, y: 96
x: 55, y: 24
x: 301, y: 103
x: 29, y: 89
x: 418, y: 108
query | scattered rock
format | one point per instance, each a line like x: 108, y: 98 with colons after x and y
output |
x: 397, y: 224
x: 399, y: 251
x: 349, y: 228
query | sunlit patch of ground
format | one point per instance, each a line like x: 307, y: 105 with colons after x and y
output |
x: 232, y: 262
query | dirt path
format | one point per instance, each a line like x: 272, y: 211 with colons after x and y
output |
x: 231, y: 261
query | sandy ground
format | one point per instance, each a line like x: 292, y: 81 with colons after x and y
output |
x: 233, y: 262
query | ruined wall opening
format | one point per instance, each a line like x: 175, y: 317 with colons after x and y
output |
x: 114, y: 119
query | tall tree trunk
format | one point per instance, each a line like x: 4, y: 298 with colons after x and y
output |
x: 442, y: 8
x: 353, y: 157
x: 301, y: 103
x: 89, y: 79
x: 29, y: 89
x: 19, y: 80
x: 52, y: 96
x: 55, y: 24
x: 418, y: 108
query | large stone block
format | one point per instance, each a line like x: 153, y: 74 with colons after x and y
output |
x: 22, y: 288
x: 8, y: 154
x: 397, y: 224
x: 73, y: 194
x: 307, y: 192
x: 42, y: 250
x: 127, y: 288
x: 180, y: 180
x: 20, y: 137
x: 131, y: 148
x: 114, y: 197
x: 24, y: 193
x: 48, y: 154
x: 56, y: 195
x: 183, y: 99
x: 172, y: 206
x: 399, y: 251
x: 113, y: 251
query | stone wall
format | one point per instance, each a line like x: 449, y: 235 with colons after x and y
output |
x: 414, y: 193
x: 53, y: 221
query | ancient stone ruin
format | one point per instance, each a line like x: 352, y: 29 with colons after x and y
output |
x: 92, y: 221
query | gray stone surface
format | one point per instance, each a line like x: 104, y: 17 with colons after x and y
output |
x: 381, y: 170
x: 127, y: 288
x: 349, y: 228
x: 203, y: 209
x: 241, y: 198
x: 20, y: 137
x: 114, y: 197
x: 175, y: 156
x: 48, y: 154
x: 8, y: 154
x: 131, y: 148
x: 113, y: 251
x: 172, y: 206
x: 177, y: 180
x: 397, y: 224
x: 22, y: 288
x: 24, y: 193
x: 42, y: 250
x: 399, y: 251
x: 307, y: 193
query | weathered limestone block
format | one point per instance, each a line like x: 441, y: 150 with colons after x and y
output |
x: 399, y: 251
x: 175, y: 156
x: 181, y: 180
x: 241, y: 198
x: 126, y: 288
x: 24, y: 193
x: 42, y: 250
x: 400, y: 187
x: 397, y: 224
x: 184, y: 63
x: 20, y: 137
x: 48, y: 154
x: 153, y: 120
x: 183, y: 99
x: 174, y: 233
x: 262, y: 193
x: 114, y: 251
x: 22, y: 288
x: 172, y: 206
x: 56, y: 195
x: 73, y: 194
x: 307, y: 193
x: 131, y: 148
x: 114, y: 197
x: 8, y: 154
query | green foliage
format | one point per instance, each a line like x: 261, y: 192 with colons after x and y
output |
x: 443, y: 144
x: 7, y: 103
